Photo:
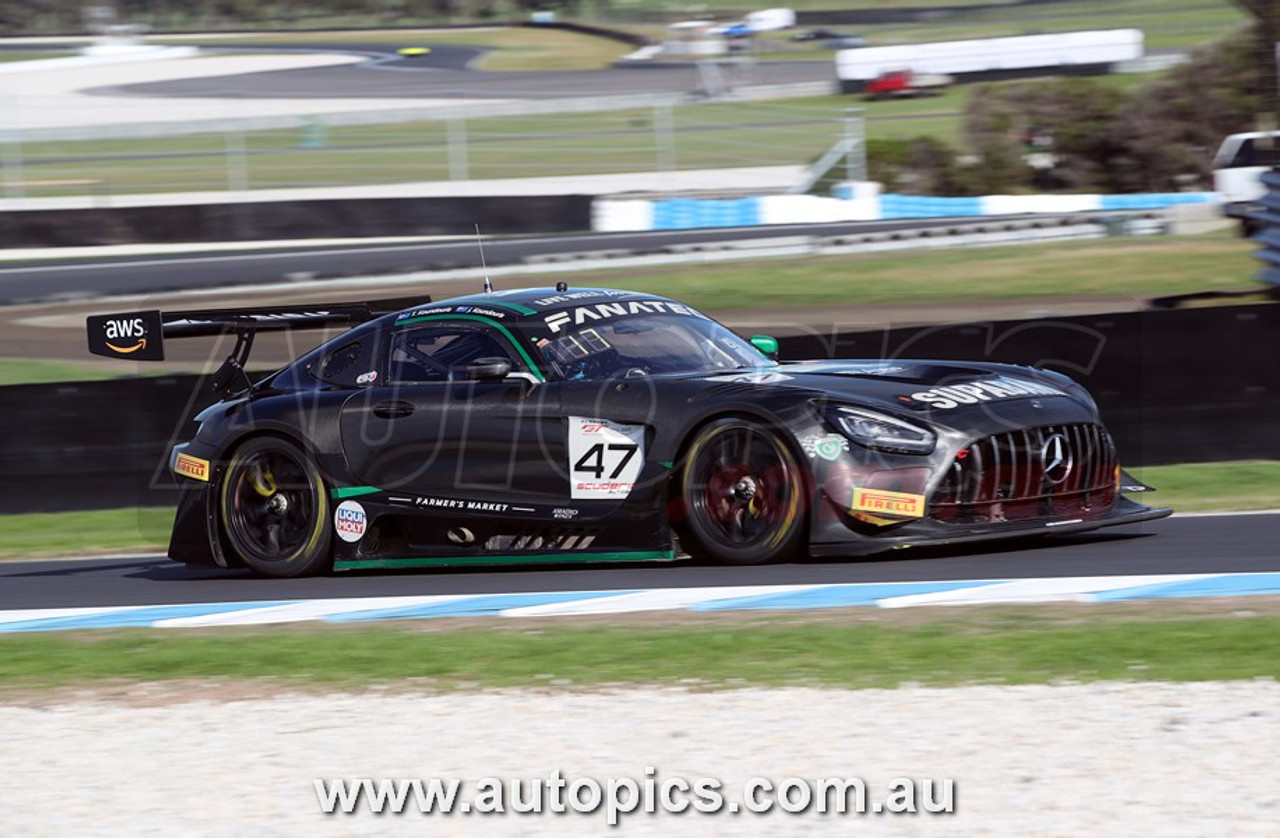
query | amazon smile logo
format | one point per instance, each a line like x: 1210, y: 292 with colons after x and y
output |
x: 125, y: 350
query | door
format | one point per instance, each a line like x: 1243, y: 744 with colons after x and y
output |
x: 426, y: 430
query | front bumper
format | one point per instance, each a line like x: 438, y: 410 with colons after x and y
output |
x: 929, y: 532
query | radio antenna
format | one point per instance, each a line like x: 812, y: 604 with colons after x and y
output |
x: 488, y: 286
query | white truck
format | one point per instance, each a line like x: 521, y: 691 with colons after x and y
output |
x: 1237, y: 173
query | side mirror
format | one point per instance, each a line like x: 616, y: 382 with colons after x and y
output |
x: 488, y: 369
x: 768, y: 346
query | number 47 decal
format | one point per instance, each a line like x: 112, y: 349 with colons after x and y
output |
x: 594, y: 460
x: 605, y: 458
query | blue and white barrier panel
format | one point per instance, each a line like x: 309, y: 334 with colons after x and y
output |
x: 573, y: 603
x: 858, y: 202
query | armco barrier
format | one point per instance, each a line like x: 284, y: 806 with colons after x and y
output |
x: 613, y: 215
x: 279, y: 220
x: 1182, y: 385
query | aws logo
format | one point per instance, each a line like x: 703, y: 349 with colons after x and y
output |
x: 137, y: 335
x: 120, y: 332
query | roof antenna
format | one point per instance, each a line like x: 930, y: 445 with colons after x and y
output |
x: 488, y: 286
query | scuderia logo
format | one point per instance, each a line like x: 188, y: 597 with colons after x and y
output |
x: 136, y: 335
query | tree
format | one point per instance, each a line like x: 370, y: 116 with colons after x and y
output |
x: 1266, y: 36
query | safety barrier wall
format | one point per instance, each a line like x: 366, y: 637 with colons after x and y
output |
x: 1173, y: 385
x: 276, y: 220
x: 851, y: 204
x: 279, y: 220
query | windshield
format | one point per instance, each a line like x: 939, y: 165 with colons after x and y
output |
x: 647, y: 345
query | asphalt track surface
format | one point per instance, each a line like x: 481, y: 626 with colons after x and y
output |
x: 444, y: 73
x: 60, y: 279
x: 1231, y: 543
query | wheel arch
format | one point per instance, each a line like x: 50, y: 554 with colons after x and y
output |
x: 675, y: 506
x: 216, y: 525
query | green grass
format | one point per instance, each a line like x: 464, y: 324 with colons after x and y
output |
x: 8, y: 56
x: 39, y: 371
x: 706, y: 135
x: 130, y: 530
x: 35, y: 371
x: 1002, y: 647
x: 1122, y: 267
x: 713, y: 135
x: 1186, y: 488
x: 1202, y: 487
x: 1166, y: 24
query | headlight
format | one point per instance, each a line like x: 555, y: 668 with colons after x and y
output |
x: 884, y: 433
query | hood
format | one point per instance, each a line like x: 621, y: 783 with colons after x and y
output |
x: 931, y: 389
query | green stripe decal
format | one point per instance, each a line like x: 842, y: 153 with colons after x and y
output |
x: 533, y: 367
x: 516, y: 307
x: 352, y: 492
x: 527, y: 558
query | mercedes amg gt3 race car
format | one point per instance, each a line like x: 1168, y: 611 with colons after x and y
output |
x: 593, y: 425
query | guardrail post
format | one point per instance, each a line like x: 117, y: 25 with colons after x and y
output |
x: 855, y: 156
x: 664, y: 137
x: 456, y: 133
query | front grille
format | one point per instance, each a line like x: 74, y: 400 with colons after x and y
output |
x: 1046, y: 472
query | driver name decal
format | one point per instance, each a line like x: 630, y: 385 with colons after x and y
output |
x: 605, y: 458
x: 993, y: 389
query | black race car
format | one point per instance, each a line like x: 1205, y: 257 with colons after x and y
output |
x: 592, y: 425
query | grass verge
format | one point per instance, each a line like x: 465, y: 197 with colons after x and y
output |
x: 132, y: 529
x: 9, y: 56
x: 998, y: 646
x: 35, y: 371
x: 1127, y: 267
x: 1205, y: 487
x: 1187, y: 488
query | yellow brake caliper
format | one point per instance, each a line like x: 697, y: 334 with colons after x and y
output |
x: 262, y: 482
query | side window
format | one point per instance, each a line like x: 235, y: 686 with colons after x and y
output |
x: 346, y: 364
x: 440, y: 353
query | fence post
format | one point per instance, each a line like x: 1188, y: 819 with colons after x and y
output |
x: 11, y: 151
x: 855, y: 139
x: 664, y: 137
x: 12, y: 164
x: 456, y: 133
x: 237, y: 162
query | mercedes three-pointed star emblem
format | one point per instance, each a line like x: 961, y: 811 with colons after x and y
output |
x: 1055, y: 456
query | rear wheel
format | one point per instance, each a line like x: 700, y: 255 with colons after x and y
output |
x: 274, y: 510
x: 743, y: 494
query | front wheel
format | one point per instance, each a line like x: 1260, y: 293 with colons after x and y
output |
x: 743, y: 493
x: 274, y: 510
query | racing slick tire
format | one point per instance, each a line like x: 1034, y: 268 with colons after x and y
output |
x: 743, y: 494
x: 273, y: 509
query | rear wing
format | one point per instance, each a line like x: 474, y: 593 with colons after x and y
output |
x: 140, y: 335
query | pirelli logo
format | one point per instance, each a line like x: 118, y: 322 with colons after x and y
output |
x: 903, y: 504
x: 193, y: 467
